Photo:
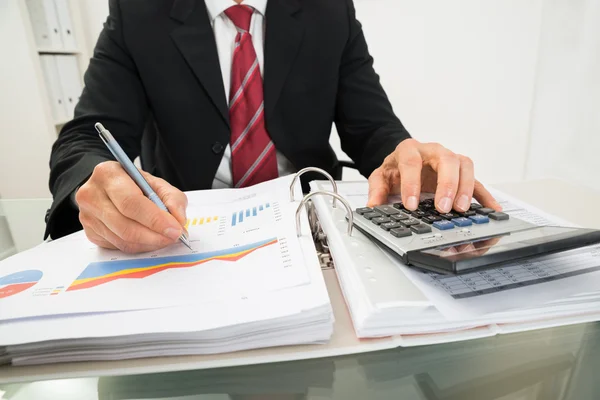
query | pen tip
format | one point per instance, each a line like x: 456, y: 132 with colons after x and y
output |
x: 185, y: 241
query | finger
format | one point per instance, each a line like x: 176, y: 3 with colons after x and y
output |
x: 410, y: 165
x: 447, y: 166
x: 484, y: 197
x: 466, y: 184
x: 175, y: 200
x: 93, y: 236
x: 133, y: 205
x: 379, y: 188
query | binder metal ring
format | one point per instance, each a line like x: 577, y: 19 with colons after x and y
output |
x: 334, y: 195
x: 322, y: 172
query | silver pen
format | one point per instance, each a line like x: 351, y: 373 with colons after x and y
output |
x: 133, y: 172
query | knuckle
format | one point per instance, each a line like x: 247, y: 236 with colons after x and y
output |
x: 156, y: 221
x: 412, y: 160
x: 130, y: 234
x: 467, y: 161
x: 103, y: 169
x: 129, y: 205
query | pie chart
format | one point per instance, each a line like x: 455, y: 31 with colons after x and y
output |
x: 18, y: 282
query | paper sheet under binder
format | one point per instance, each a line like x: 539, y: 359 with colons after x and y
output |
x: 44, y: 21
x: 53, y: 87
x: 70, y: 81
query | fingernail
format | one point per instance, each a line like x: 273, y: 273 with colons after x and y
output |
x: 172, y: 233
x: 182, y: 212
x: 412, y: 203
x: 445, y: 204
x: 463, y: 202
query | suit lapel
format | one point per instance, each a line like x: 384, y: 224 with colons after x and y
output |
x: 196, y: 41
x: 282, y: 41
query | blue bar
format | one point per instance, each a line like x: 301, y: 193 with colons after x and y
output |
x: 248, y: 212
x: 260, y: 208
x: 254, y: 211
x: 267, y: 205
x: 233, y: 219
x: 241, y: 217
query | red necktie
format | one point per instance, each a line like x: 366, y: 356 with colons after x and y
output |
x: 253, y: 158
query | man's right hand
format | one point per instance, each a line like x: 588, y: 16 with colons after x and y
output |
x: 115, y: 214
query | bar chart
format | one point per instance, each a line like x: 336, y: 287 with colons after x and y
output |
x: 238, y: 217
x: 200, y: 221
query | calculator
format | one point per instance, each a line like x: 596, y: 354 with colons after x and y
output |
x: 462, y: 242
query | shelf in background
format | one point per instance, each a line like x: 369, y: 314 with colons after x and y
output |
x: 59, y: 51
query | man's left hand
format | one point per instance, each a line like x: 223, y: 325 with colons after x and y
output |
x: 416, y: 167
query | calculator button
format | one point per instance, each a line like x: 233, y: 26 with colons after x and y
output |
x: 380, y: 220
x: 371, y: 215
x: 499, y: 216
x: 475, y: 206
x: 401, y: 232
x: 399, y: 206
x: 443, y: 225
x: 449, y: 216
x: 420, y: 229
x: 386, y: 210
x: 430, y: 219
x: 462, y: 221
x: 467, y: 213
x: 399, y: 217
x: 484, y: 211
x: 391, y: 225
x: 410, y: 222
x: 364, y: 210
x: 479, y: 219
x: 418, y: 214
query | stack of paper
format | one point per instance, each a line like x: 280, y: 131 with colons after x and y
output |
x: 250, y: 282
x: 387, y: 298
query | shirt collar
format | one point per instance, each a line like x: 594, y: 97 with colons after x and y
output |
x: 217, y: 7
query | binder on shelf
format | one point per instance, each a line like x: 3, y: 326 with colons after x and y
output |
x: 53, y: 86
x: 66, y: 24
x: 70, y: 81
x: 44, y: 21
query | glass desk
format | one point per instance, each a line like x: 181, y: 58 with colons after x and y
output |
x: 559, y: 363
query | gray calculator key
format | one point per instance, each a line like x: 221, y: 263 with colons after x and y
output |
x: 410, y: 222
x: 387, y: 210
x: 499, y: 216
x: 380, y: 220
x: 364, y: 210
x: 484, y: 211
x: 420, y: 229
x: 390, y: 225
x: 401, y: 232
x: 371, y: 215
x: 399, y: 217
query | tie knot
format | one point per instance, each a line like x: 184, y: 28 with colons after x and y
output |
x: 240, y: 15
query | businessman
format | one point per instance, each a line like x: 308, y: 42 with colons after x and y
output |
x: 230, y: 93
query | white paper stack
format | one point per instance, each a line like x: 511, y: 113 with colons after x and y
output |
x: 250, y: 282
x: 386, y: 298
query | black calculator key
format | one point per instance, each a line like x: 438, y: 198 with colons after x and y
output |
x: 484, y: 211
x: 410, y: 222
x: 467, y: 214
x: 399, y: 206
x: 498, y: 216
x: 430, y: 219
x: 386, y: 210
x: 371, y: 215
x: 449, y: 216
x: 391, y: 225
x: 418, y: 214
x: 401, y: 232
x: 475, y: 206
x: 364, y: 210
x: 380, y: 220
x: 420, y: 229
x: 399, y: 217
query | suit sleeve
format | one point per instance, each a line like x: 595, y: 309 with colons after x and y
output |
x: 114, y: 96
x: 368, y: 128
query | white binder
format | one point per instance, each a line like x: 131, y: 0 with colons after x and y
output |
x: 55, y: 94
x: 66, y: 24
x: 44, y: 21
x: 70, y: 81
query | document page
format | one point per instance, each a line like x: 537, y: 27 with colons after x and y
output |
x: 244, y: 243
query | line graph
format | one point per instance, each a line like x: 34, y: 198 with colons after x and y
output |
x: 99, y: 273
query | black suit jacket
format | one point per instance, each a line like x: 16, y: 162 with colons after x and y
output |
x: 155, y: 82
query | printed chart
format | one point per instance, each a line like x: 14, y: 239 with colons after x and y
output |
x: 18, y: 282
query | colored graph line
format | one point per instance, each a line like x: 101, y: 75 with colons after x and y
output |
x: 19, y: 282
x: 200, y: 221
x: 238, y: 216
x: 99, y: 273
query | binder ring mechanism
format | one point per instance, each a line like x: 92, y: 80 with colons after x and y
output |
x: 305, y: 200
x: 314, y: 169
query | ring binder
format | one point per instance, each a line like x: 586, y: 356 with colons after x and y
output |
x: 313, y: 169
x: 306, y: 198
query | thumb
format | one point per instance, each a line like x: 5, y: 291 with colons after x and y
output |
x: 175, y: 200
x: 379, y: 188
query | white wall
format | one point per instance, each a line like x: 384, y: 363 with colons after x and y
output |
x: 565, y: 130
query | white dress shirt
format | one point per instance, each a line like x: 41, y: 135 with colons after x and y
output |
x: 225, y: 33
